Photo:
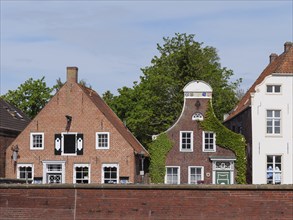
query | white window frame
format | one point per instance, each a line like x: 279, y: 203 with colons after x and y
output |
x: 46, y: 171
x: 178, y: 174
x: 63, y: 139
x: 203, y: 141
x: 191, y: 141
x: 32, y: 134
x: 275, y: 179
x: 97, y: 140
x: 189, y: 173
x: 81, y: 165
x: 273, y: 119
x: 274, y: 89
x: 25, y: 165
x: 110, y: 165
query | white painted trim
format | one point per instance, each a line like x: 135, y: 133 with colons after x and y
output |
x: 31, y: 140
x: 97, y: 142
x: 62, y: 145
x: 46, y: 162
x: 191, y: 141
x: 25, y: 165
x: 110, y: 165
x: 203, y: 142
x: 178, y: 179
x: 81, y: 165
x: 189, y: 173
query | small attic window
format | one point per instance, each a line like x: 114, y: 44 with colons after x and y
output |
x: 197, y: 117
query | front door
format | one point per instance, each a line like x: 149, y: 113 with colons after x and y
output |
x: 222, y: 177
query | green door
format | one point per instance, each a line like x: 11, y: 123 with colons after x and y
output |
x: 222, y: 177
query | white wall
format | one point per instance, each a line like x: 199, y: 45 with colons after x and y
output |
x: 264, y: 144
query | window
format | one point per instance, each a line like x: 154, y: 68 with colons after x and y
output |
x: 110, y: 173
x: 102, y: 140
x: 195, y: 175
x: 172, y: 175
x: 273, y: 89
x: 273, y: 121
x: 69, y: 144
x: 209, y: 141
x: 37, y: 141
x: 274, y: 169
x: 186, y: 141
x: 53, y: 172
x: 81, y: 173
x: 25, y: 172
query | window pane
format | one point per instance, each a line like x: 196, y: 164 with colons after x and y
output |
x: 269, y: 88
x: 277, y: 113
x: 270, y: 159
x: 277, y: 89
x: 269, y: 113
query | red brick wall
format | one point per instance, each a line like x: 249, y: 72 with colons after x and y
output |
x: 146, y: 202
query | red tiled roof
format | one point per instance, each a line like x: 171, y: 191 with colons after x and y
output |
x: 282, y: 65
x: 113, y: 118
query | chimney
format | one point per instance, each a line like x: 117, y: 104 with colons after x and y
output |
x: 72, y: 74
x: 273, y: 56
x: 287, y: 46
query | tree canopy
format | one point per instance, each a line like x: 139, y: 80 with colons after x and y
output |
x: 153, y: 105
x: 30, y: 97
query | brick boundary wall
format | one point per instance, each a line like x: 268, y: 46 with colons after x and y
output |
x: 70, y: 201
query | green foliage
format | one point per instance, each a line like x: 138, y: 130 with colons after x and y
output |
x: 30, y: 97
x: 229, y: 140
x: 152, y: 105
x: 158, y: 150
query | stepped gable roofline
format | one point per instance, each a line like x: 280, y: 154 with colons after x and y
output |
x: 12, y: 118
x: 281, y: 65
x: 114, y: 119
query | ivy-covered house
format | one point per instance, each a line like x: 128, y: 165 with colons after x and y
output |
x: 198, y: 148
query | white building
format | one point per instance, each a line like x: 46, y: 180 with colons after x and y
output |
x: 267, y: 106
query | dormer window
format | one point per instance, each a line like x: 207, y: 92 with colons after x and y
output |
x: 274, y: 89
x: 197, y: 117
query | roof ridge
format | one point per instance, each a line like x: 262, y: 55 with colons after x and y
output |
x: 278, y: 65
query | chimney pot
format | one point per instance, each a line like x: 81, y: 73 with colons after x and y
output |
x: 273, y: 56
x: 72, y: 74
x: 287, y: 46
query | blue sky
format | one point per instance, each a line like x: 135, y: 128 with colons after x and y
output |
x: 109, y: 41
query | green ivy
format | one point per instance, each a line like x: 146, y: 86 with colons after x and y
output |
x: 158, y: 150
x: 160, y: 147
x: 229, y: 140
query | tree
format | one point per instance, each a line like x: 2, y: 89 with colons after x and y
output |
x: 59, y: 84
x: 30, y: 97
x: 154, y: 104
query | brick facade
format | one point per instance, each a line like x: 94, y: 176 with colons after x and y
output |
x: 197, y: 157
x: 197, y: 98
x: 87, y: 119
x: 145, y: 202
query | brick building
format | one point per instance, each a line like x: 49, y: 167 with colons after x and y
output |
x: 76, y: 138
x: 195, y: 157
x: 12, y: 122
